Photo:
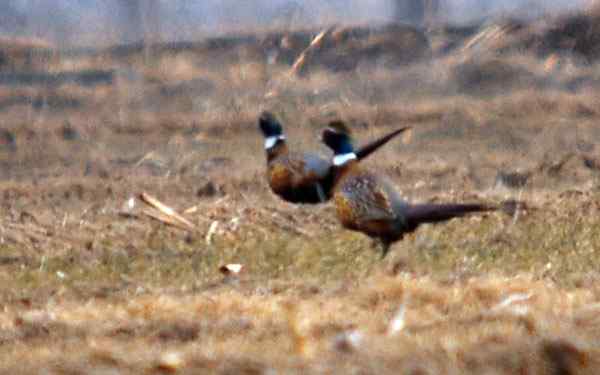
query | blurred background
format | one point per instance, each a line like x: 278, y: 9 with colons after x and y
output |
x: 101, y: 100
x: 77, y: 22
x: 505, y: 90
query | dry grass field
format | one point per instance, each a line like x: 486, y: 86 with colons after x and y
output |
x: 90, y: 284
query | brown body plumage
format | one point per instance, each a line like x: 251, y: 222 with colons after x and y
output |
x: 298, y: 178
x: 368, y: 203
x: 302, y: 178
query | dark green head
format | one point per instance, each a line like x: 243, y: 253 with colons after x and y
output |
x: 338, y: 138
x: 271, y: 129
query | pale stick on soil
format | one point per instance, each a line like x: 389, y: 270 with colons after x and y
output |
x: 169, y: 215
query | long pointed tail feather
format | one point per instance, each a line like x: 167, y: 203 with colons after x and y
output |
x: 434, y: 213
x: 370, y: 147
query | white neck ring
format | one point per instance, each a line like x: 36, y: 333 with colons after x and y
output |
x: 272, y: 141
x: 342, y: 159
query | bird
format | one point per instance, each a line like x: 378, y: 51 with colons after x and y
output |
x: 366, y: 202
x: 302, y: 177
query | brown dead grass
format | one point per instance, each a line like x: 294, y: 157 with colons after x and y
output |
x: 381, y: 325
x: 88, y: 288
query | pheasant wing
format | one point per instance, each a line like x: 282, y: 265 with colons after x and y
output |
x: 367, y: 198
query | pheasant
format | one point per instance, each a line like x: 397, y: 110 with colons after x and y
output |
x: 368, y: 203
x: 307, y: 177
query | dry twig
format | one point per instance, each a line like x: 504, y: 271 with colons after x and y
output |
x: 316, y: 43
x: 166, y: 214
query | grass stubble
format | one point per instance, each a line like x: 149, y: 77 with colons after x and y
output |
x: 84, y: 289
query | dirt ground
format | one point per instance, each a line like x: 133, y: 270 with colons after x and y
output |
x: 89, y: 283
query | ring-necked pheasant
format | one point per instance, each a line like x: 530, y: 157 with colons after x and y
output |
x: 368, y: 203
x: 302, y: 178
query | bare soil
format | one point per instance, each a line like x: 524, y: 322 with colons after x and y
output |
x: 91, y: 285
